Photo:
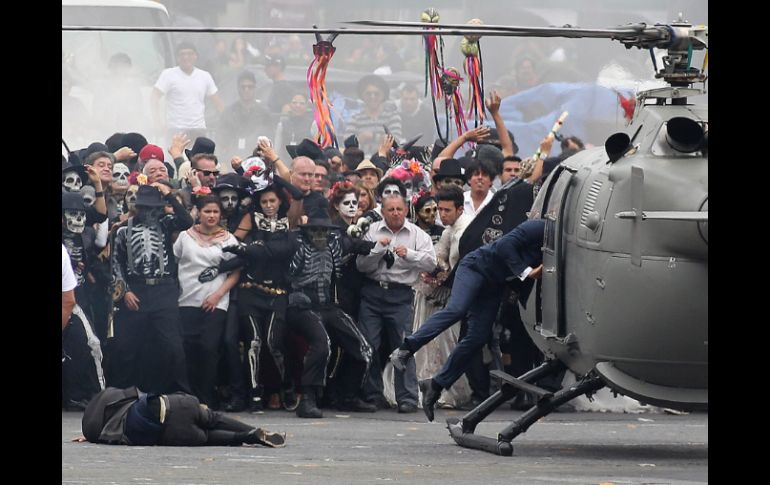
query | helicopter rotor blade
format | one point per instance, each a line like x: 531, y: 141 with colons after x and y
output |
x: 628, y: 31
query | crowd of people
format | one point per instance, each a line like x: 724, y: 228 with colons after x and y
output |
x: 293, y: 279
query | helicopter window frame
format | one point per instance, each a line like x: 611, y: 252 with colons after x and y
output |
x: 552, y: 208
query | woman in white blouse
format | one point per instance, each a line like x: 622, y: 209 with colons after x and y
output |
x: 203, y: 306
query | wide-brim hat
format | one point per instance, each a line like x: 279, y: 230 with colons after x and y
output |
x: 148, y: 196
x: 231, y: 181
x: 306, y: 148
x: 449, y: 167
x: 375, y: 80
x: 367, y: 164
x: 134, y: 141
x: 72, y: 201
x: 79, y: 169
x: 201, y: 145
x: 319, y: 222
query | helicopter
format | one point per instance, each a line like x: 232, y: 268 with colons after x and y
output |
x: 623, y: 297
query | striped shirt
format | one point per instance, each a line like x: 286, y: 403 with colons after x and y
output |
x: 362, y: 122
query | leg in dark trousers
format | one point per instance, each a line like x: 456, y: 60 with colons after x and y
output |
x: 309, y: 324
x: 202, y: 334
x: 80, y: 379
x: 161, y: 354
x: 231, y: 353
x: 345, y: 334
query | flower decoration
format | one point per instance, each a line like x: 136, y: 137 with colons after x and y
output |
x: 137, y: 178
x: 414, y: 166
x: 418, y: 195
x: 201, y: 191
x: 343, y: 184
x: 253, y: 170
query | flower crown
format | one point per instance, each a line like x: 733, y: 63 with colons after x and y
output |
x: 415, y: 197
x: 137, y: 178
x: 342, y: 184
x: 201, y: 191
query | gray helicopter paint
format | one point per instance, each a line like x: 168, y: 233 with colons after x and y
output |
x: 645, y: 323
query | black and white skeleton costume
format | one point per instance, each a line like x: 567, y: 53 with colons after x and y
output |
x: 314, y: 313
x: 82, y: 375
x: 148, y: 343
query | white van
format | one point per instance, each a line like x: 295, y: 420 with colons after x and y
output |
x: 86, y: 59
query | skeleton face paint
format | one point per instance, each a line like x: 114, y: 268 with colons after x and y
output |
x: 75, y: 220
x: 152, y: 214
x: 390, y: 189
x: 130, y: 197
x: 428, y: 213
x: 229, y: 199
x: 89, y: 195
x: 120, y: 175
x: 348, y: 205
x: 318, y: 236
x: 71, y: 181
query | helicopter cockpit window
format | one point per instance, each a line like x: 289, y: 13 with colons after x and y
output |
x: 661, y: 147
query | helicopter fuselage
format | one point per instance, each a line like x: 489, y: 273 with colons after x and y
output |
x: 624, y: 288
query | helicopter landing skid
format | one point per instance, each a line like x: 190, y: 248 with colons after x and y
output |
x: 462, y: 430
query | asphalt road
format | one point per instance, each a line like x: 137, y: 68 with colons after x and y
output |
x: 387, y: 447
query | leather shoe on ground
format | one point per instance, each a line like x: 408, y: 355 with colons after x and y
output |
x: 356, y: 405
x: 407, y: 407
x: 431, y: 393
x: 399, y: 358
x: 260, y: 436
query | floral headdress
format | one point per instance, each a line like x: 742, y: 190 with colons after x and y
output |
x: 201, y: 190
x: 137, y: 178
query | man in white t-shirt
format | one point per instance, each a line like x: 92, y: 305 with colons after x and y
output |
x: 68, y: 284
x: 186, y: 88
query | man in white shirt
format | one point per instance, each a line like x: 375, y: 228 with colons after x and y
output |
x: 186, y: 88
x: 402, y: 252
x: 450, y: 209
x: 479, y: 175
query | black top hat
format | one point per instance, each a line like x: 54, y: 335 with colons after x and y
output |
x: 115, y: 142
x: 331, y: 152
x: 306, y: 148
x: 201, y: 145
x: 351, y: 141
x: 231, y: 181
x: 72, y: 201
x: 148, y: 196
x: 134, y: 141
x: 79, y: 169
x: 449, y: 168
x: 322, y: 221
x: 375, y: 80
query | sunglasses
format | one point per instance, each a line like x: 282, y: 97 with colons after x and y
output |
x: 208, y: 173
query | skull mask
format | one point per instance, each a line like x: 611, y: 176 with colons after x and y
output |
x: 348, y: 206
x: 229, y: 199
x: 151, y: 215
x: 390, y: 189
x: 89, y: 195
x: 255, y: 169
x: 130, y: 197
x: 427, y: 213
x: 75, y: 220
x: 71, y: 181
x: 318, y: 237
x: 120, y: 175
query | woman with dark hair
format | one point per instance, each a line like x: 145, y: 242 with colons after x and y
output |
x: 262, y: 296
x: 203, y: 305
x: 343, y: 203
